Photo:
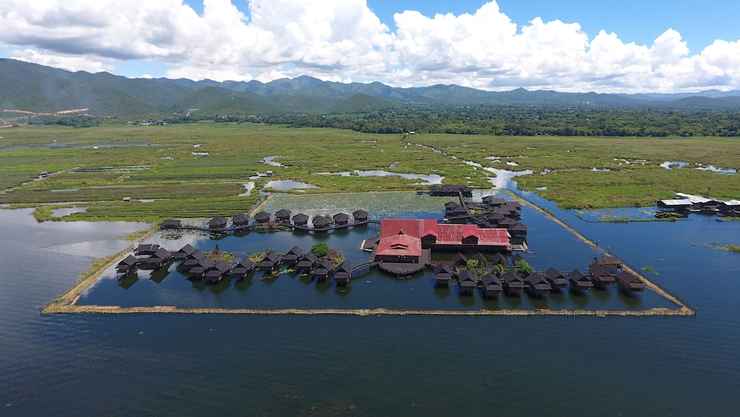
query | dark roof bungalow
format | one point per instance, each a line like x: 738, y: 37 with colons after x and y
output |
x: 466, y: 283
x: 341, y: 219
x: 305, y: 263
x: 493, y: 201
x: 194, y: 258
x: 360, y: 216
x: 321, y: 270
x: 216, y: 272
x: 300, y: 219
x: 629, y: 283
x: 269, y: 262
x: 146, y: 249
x: 491, y: 286
x: 262, y: 217
x: 608, y: 261
x: 556, y: 279
x: 537, y: 284
x: 292, y: 256
x: 342, y: 275
x: 127, y: 265
x: 579, y: 282
x: 197, y: 271
x: 518, y: 230
x: 240, y: 220
x: 170, y: 224
x: 282, y: 216
x: 513, y: 284
x: 443, y: 275
x: 240, y: 269
x: 217, y: 223
x: 601, y: 275
x: 184, y: 252
x: 159, y: 259
x: 321, y: 222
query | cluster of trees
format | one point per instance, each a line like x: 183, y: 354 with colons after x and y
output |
x: 71, y: 121
x: 526, y: 121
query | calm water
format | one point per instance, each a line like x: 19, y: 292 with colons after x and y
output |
x: 149, y: 365
x: 551, y: 246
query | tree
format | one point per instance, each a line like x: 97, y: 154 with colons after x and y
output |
x: 320, y: 249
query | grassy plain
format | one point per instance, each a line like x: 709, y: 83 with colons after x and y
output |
x: 154, y: 167
x: 563, y: 166
x: 149, y: 173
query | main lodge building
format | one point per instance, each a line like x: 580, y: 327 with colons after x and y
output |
x: 406, y: 240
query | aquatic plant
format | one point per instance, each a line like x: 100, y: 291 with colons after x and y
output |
x: 320, y: 249
x: 733, y: 248
x: 650, y: 270
x: 523, y: 267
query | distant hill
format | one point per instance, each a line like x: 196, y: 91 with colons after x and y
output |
x: 38, y: 88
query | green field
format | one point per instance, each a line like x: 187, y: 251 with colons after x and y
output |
x: 100, y: 167
x: 148, y: 173
x: 564, y: 166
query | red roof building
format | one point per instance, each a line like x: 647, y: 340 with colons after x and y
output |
x: 399, y: 245
x: 416, y: 234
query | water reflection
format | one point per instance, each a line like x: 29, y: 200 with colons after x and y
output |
x: 287, y: 185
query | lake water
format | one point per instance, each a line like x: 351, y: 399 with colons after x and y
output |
x: 174, y: 365
x: 550, y: 246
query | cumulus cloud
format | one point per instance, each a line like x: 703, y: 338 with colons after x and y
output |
x: 68, y: 62
x: 344, y: 40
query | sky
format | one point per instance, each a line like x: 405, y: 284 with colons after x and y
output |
x: 577, y: 45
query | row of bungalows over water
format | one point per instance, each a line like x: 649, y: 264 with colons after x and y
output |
x: 282, y: 217
x: 493, y: 212
x: 602, y: 273
x: 684, y: 204
x: 197, y: 265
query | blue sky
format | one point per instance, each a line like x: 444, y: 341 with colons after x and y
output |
x: 576, y: 45
x: 700, y: 22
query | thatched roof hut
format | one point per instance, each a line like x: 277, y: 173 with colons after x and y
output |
x: 321, y: 222
x: 341, y: 219
x: 146, y: 249
x: 556, y: 278
x: 491, y: 286
x: 240, y: 220
x: 579, y: 282
x: 217, y: 223
x: 629, y: 283
x: 282, y: 216
x: 537, y: 284
x: 262, y: 217
x: 300, y: 219
x: 466, y: 283
x: 127, y: 265
x: 360, y: 216
x: 342, y: 275
x: 513, y: 283
x: 241, y: 268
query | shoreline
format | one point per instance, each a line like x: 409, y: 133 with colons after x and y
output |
x: 363, y: 312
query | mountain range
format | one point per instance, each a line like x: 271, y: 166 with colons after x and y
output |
x: 37, y: 88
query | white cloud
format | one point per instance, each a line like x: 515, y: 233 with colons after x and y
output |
x: 68, y: 62
x: 344, y: 40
